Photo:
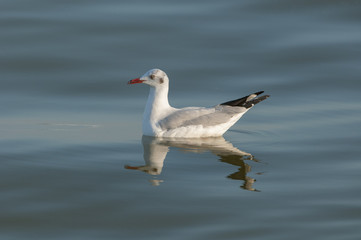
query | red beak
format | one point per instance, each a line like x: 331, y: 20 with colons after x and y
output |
x: 136, y: 80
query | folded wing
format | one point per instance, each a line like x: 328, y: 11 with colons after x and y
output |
x: 200, y: 116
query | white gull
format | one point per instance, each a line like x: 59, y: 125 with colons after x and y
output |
x: 162, y: 120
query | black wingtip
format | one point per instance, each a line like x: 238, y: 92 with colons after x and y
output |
x: 253, y: 102
x: 242, y: 102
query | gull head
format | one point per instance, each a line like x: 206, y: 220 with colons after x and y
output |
x: 154, y: 78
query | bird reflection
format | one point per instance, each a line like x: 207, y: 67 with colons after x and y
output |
x: 156, y: 149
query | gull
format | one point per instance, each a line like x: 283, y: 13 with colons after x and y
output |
x: 162, y: 120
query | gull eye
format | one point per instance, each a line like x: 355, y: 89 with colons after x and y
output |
x: 152, y: 76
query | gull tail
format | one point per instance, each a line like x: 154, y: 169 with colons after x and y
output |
x: 247, y: 101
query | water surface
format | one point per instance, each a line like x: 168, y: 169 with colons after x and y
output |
x: 74, y: 164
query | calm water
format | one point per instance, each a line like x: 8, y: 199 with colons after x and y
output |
x: 71, y: 147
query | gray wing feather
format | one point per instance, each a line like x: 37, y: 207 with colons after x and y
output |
x: 200, y: 116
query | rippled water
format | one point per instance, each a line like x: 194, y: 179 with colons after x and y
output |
x: 71, y: 147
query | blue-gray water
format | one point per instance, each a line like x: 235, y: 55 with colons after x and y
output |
x: 70, y: 127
